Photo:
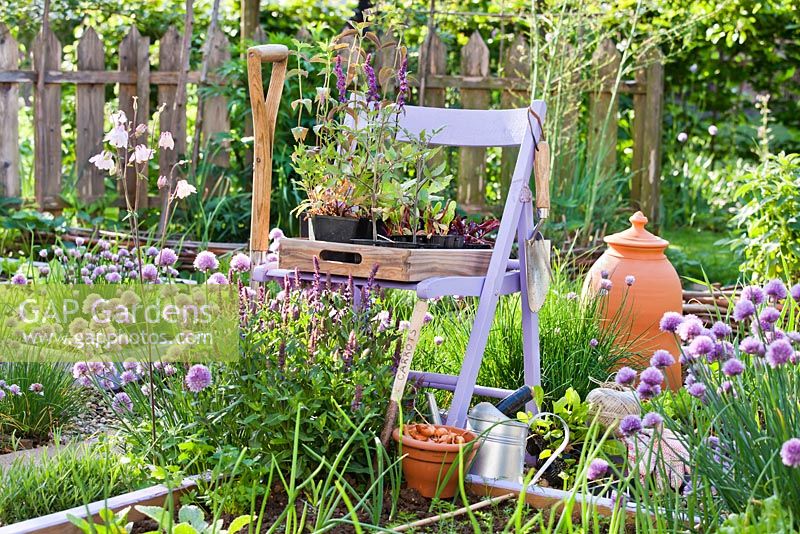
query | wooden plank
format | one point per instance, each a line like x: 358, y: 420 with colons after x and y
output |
x: 89, y: 116
x: 215, y: 112
x: 603, y: 107
x: 47, y: 137
x: 387, y: 58
x: 134, y: 57
x: 398, y: 264
x: 169, y: 58
x: 651, y: 140
x: 9, y: 118
x: 104, y: 77
x: 472, y: 161
x: 434, y: 52
x: 517, y: 65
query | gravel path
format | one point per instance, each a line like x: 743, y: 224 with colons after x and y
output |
x: 97, y: 418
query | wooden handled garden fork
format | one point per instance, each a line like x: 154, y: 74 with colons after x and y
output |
x: 265, y: 113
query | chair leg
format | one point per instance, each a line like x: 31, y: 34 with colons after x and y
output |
x: 530, y: 320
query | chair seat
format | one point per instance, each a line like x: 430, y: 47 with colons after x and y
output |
x: 463, y: 286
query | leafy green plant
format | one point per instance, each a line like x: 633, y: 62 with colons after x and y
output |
x: 112, y: 523
x: 191, y: 520
x: 73, y: 475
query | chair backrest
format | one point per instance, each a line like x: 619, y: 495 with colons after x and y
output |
x: 472, y: 127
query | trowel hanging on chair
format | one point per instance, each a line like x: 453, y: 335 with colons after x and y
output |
x: 537, y: 248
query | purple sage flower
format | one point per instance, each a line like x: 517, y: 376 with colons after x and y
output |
x: 402, y: 83
x: 754, y: 294
x: 752, y: 346
x: 733, y: 367
x: 357, y: 395
x: 341, y: 80
x: 743, y: 309
x: 372, y: 84
x: 662, y: 359
x: 670, y: 322
x: 626, y: 376
x: 776, y: 290
x: 779, y: 352
x: 790, y: 453
x: 597, y: 469
x: 630, y: 425
x: 122, y: 403
x: 651, y: 376
x: 198, y: 378
x: 652, y: 420
x: 206, y: 261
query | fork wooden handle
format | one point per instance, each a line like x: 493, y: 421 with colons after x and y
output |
x: 541, y: 174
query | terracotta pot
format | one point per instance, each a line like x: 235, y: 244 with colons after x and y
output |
x: 427, y: 464
x: 656, y: 290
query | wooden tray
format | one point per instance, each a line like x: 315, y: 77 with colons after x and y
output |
x: 396, y: 264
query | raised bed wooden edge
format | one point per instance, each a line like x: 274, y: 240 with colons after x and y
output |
x: 396, y: 264
x: 57, y: 523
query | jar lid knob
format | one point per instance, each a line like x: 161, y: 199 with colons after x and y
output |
x: 638, y: 220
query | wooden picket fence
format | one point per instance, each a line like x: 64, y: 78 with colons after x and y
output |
x: 474, y: 85
x: 134, y: 76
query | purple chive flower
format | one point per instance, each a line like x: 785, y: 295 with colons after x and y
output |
x: 127, y: 377
x: 113, y: 277
x: 276, y: 234
x: 593, y: 342
x: 150, y: 272
x: 630, y: 425
x: 700, y: 346
x: 647, y: 391
x: 240, y: 263
x: 598, y: 468
x: 697, y: 390
x: 768, y: 317
x: 743, y: 309
x: 726, y: 388
x: 662, y: 359
x: 44, y: 270
x: 79, y: 369
x: 651, y: 376
x: 752, y: 346
x: 776, y: 290
x: 130, y: 366
x: 198, y: 378
x: 721, y: 330
x: 37, y: 388
x: 630, y: 280
x: 166, y: 257
x: 605, y: 285
x: 626, y: 376
x: 670, y: 322
x: 690, y: 327
x: 427, y: 318
x: 218, y: 279
x: 152, y: 252
x: 438, y: 340
x: 206, y: 261
x: 733, y: 367
x: 122, y: 403
x: 341, y: 80
x: 15, y: 390
x: 372, y: 84
x: 790, y: 453
x: 795, y: 292
x: 652, y: 420
x: 722, y: 350
x: 402, y: 83
x: 754, y: 294
x: 2, y: 394
x: 604, y: 274
x: 19, y: 279
x: 779, y: 352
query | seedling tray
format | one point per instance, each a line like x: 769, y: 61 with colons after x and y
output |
x: 396, y: 264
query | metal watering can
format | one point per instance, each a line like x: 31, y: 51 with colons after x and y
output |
x: 501, y: 455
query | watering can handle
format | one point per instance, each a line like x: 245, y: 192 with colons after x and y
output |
x: 541, y: 174
x: 265, y: 112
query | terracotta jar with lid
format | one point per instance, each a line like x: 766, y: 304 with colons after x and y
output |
x: 656, y: 289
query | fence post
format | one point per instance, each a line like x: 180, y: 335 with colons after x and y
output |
x: 434, y: 56
x: 215, y: 110
x: 134, y: 56
x: 472, y: 161
x: 602, y: 149
x: 47, y: 153
x: 517, y: 65
x: 386, y: 58
x: 90, y: 99
x: 651, y: 136
x: 169, y: 59
x: 9, y: 118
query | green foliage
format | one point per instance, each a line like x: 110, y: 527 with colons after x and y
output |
x: 770, y: 515
x: 35, y: 415
x: 112, y: 523
x: 191, y: 520
x: 689, y: 252
x: 72, y: 476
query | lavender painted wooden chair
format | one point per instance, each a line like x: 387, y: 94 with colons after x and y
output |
x: 477, y: 128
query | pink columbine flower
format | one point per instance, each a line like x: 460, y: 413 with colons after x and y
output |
x: 104, y: 161
x: 206, y: 261
x: 162, y: 182
x: 37, y: 388
x: 240, y: 263
x: 117, y: 136
x: 198, y: 378
x: 184, y: 189
x: 141, y: 154
x: 166, y: 141
x: 118, y: 118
